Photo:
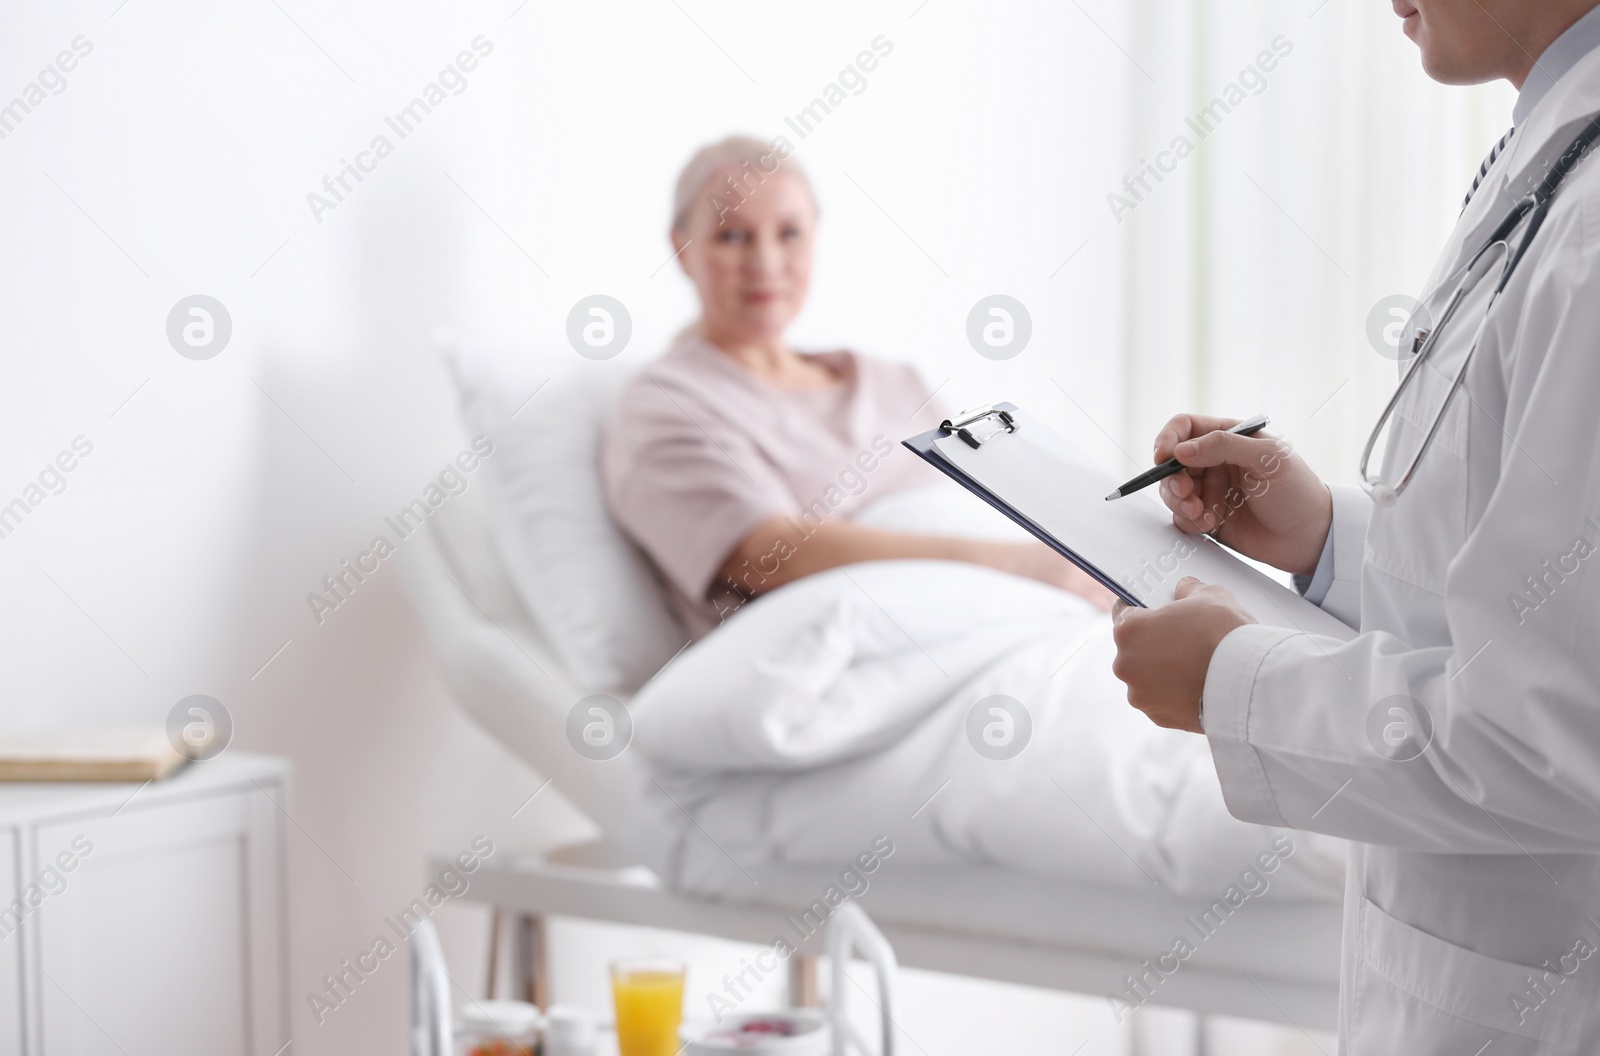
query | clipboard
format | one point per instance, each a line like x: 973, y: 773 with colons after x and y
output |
x: 1034, y: 476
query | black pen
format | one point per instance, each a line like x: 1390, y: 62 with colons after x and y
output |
x: 1248, y: 427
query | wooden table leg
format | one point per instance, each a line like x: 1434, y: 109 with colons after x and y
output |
x: 803, y: 981
x: 494, y: 952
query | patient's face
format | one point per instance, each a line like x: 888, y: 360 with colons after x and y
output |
x: 752, y: 263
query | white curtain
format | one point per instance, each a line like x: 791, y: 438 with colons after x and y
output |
x: 1248, y: 273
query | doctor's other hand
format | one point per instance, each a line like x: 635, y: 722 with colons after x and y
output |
x: 1252, y: 493
x: 1163, y: 654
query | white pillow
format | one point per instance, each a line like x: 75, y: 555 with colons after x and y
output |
x: 592, y: 593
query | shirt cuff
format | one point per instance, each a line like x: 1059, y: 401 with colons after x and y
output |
x: 1228, y: 694
x: 1314, y: 588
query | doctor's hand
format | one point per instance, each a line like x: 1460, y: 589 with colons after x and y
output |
x: 1163, y: 654
x: 1252, y: 493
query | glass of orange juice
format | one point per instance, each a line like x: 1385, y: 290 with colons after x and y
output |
x: 649, y: 999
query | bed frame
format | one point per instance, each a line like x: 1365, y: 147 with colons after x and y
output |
x: 507, y: 678
x: 533, y: 890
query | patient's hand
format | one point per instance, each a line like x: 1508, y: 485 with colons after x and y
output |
x: 1164, y: 654
x: 1252, y: 493
x: 1037, y: 561
x: 775, y: 554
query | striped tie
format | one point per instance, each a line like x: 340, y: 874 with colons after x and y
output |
x: 1483, y: 170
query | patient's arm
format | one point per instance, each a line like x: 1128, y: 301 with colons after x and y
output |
x: 776, y: 553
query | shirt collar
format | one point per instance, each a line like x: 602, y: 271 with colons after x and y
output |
x: 1582, y: 37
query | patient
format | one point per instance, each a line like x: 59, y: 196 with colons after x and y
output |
x: 736, y: 462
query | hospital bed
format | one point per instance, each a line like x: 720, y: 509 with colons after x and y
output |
x: 1278, y: 962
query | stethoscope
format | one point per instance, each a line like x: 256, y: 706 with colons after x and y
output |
x: 1496, y: 248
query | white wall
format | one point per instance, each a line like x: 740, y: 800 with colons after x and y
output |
x: 178, y: 159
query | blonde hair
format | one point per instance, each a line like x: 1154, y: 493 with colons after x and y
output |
x: 745, y: 152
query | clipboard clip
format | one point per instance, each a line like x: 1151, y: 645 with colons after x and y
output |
x: 962, y: 425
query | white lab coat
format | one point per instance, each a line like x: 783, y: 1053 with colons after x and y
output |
x: 1472, y: 909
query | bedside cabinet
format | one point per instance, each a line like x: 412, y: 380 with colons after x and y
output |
x: 146, y: 918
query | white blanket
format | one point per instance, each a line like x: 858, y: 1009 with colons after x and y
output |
x: 841, y: 708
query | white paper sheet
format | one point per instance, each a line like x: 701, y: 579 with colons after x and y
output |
x: 1132, y: 541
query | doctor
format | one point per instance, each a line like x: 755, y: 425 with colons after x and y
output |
x: 1456, y: 739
